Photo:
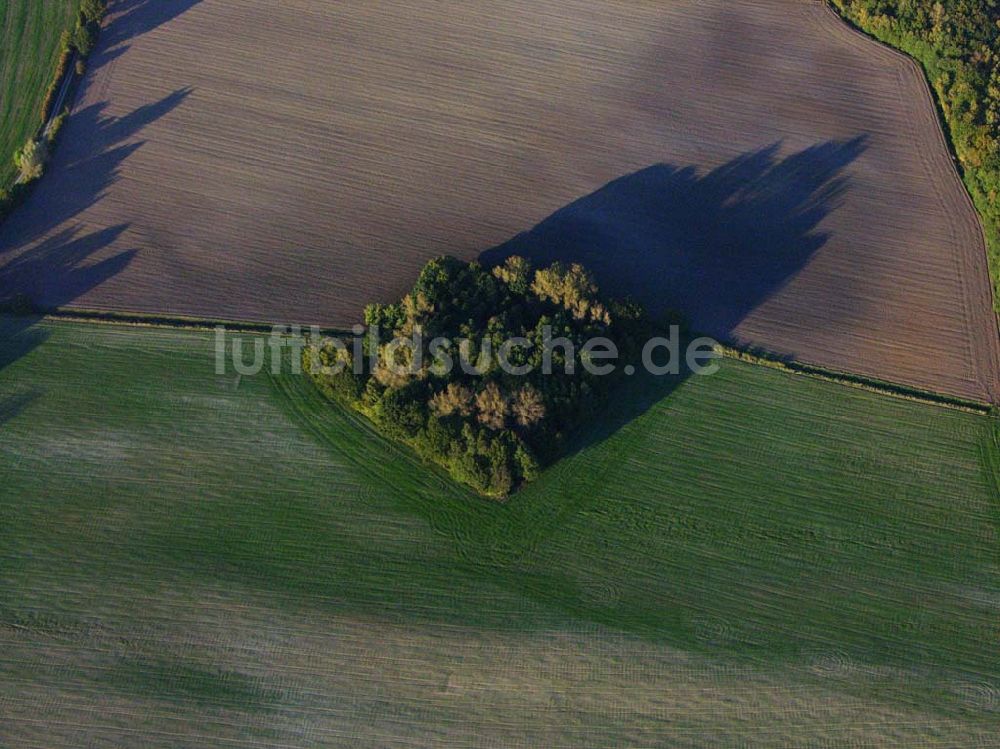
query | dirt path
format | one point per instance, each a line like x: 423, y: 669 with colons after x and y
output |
x: 58, y: 104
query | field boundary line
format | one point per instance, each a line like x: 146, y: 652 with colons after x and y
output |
x: 749, y: 355
x: 858, y: 382
x: 150, y: 320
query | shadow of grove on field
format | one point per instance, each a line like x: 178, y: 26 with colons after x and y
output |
x: 710, y: 248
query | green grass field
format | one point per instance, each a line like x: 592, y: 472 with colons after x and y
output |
x: 758, y: 558
x: 29, y: 50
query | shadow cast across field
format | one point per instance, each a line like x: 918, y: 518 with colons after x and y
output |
x: 12, y: 405
x: 709, y: 248
x: 733, y: 237
x: 59, y: 269
x: 134, y: 18
x: 45, y: 261
x: 131, y: 19
x: 58, y: 263
x: 18, y: 337
x: 92, y: 150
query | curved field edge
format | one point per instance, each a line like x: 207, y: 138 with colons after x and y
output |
x: 921, y: 58
x: 29, y: 53
x: 216, y: 552
x: 979, y: 287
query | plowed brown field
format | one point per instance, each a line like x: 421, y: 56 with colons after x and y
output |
x: 756, y: 164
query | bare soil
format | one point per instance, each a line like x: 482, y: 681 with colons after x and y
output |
x: 757, y: 165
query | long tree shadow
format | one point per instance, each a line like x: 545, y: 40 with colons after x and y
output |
x: 713, y: 247
x: 44, y: 261
x: 129, y: 19
x: 57, y: 270
x: 133, y: 18
x: 88, y: 162
x: 13, y: 405
x: 18, y: 337
x: 710, y: 247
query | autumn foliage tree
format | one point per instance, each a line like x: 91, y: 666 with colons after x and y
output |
x: 493, y: 422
